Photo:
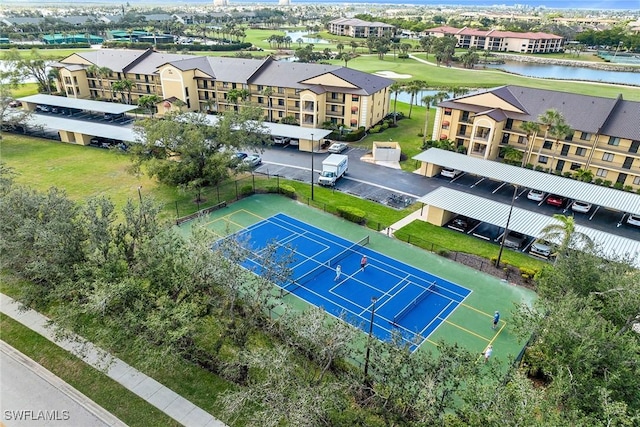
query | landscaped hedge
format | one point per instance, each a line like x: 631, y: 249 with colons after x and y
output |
x: 288, y: 191
x: 170, y: 46
x: 352, y: 214
x: 45, y: 46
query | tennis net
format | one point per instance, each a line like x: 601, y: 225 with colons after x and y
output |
x: 417, y: 300
x: 332, y: 262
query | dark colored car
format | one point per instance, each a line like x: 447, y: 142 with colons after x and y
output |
x: 557, y: 201
x: 460, y: 223
x: 514, y: 240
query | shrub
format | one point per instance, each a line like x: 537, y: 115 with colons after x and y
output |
x: 539, y: 168
x: 568, y: 174
x: 598, y: 181
x: 607, y: 183
x: 443, y: 253
x: 246, y: 190
x: 628, y: 188
x: 529, y: 166
x: 385, y: 125
x: 356, y: 135
x: 288, y: 191
x: 527, y: 272
x: 272, y: 189
x: 351, y: 214
x: 618, y: 185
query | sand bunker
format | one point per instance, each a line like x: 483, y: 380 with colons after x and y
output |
x: 393, y: 75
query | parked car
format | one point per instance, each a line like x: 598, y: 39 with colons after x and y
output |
x: 338, y: 147
x: 281, y: 140
x: 252, y: 160
x: 541, y: 249
x: 536, y: 195
x: 579, y: 206
x: 43, y: 108
x: 112, y: 116
x: 514, y: 240
x: 460, y: 223
x: 450, y: 173
x: 557, y: 201
x: 15, y: 103
x: 634, y: 219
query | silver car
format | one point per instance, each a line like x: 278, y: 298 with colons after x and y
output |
x: 338, y: 147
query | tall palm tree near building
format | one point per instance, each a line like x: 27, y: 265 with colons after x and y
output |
x: 531, y: 129
x: 395, y: 88
x: 427, y: 100
x: 122, y: 87
x: 268, y: 92
x: 560, y: 130
x: 550, y: 118
x: 564, y: 233
x: 413, y: 88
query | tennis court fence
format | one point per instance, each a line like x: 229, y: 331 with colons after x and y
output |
x: 331, y: 263
x: 432, y: 288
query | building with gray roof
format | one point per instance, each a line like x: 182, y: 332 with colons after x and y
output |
x: 602, y: 143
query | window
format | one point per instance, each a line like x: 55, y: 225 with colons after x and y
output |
x: 260, y: 88
x: 614, y: 140
x: 233, y: 86
x: 575, y: 166
x: 280, y: 90
x: 636, y: 180
x: 565, y: 149
x: 543, y: 160
x: 608, y: 157
x: 634, y: 146
x: 355, y: 98
x: 522, y: 139
x: 225, y: 85
x: 137, y: 76
x: 260, y: 100
x: 509, y: 124
x: 581, y: 151
x: 447, y: 111
x: 186, y: 91
x: 585, y: 136
x: 628, y: 161
x: 547, y: 145
x: 602, y: 173
x: 505, y: 138
x: 281, y: 102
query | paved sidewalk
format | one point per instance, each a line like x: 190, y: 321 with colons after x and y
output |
x: 169, y: 402
x: 404, y: 221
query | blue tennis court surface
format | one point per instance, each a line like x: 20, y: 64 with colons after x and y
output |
x: 408, y: 300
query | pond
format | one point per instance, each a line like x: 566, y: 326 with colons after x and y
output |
x: 295, y: 35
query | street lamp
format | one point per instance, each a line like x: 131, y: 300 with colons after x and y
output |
x: 617, y: 48
x: 506, y: 227
x: 312, y: 151
x: 366, y: 357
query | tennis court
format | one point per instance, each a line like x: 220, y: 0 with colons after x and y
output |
x: 407, y: 299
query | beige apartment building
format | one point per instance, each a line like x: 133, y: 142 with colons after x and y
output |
x: 357, y: 28
x: 604, y: 136
x: 311, y: 94
x: 500, y: 41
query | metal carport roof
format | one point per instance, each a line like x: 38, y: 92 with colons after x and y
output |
x: 120, y: 132
x: 522, y: 220
x: 297, y: 132
x: 577, y: 190
x: 82, y: 104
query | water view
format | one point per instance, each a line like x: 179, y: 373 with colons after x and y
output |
x: 295, y: 35
x: 564, y: 72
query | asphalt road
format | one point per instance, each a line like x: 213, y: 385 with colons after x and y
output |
x: 31, y: 396
x: 378, y: 183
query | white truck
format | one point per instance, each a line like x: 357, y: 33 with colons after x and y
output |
x: 333, y: 167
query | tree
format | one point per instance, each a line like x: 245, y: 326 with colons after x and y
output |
x: 268, y: 92
x: 34, y: 65
x: 563, y: 231
x: 584, y: 175
x: 203, y: 149
x: 426, y: 43
x: 413, y: 88
x: 512, y: 155
x: 395, y: 88
x: 550, y: 119
x: 470, y: 58
x: 427, y: 100
x: 531, y: 129
x: 123, y: 87
x: 559, y: 130
x: 149, y: 102
x: 444, y: 48
x: 346, y: 57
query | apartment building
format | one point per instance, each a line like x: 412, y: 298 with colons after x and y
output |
x: 357, y: 28
x: 310, y: 94
x: 604, y: 136
x: 501, y: 41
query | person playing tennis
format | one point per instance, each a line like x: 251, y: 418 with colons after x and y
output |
x: 363, y: 262
x: 338, y: 273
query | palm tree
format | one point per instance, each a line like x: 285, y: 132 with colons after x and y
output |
x: 512, y: 155
x: 427, y: 101
x: 340, y: 47
x: 268, y: 92
x: 414, y: 87
x: 346, y: 57
x: 395, y: 88
x: 549, y: 119
x: 130, y: 33
x: 560, y: 130
x: 584, y: 175
x: 103, y: 72
x: 148, y: 102
x: 531, y: 129
x: 123, y: 86
x: 564, y: 231
x: 354, y: 45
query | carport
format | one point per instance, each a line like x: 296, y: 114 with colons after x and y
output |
x: 80, y: 131
x: 304, y: 135
x: 443, y: 204
x: 434, y: 159
x: 79, y: 104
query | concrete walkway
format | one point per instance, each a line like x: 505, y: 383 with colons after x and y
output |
x: 404, y: 221
x: 169, y: 402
